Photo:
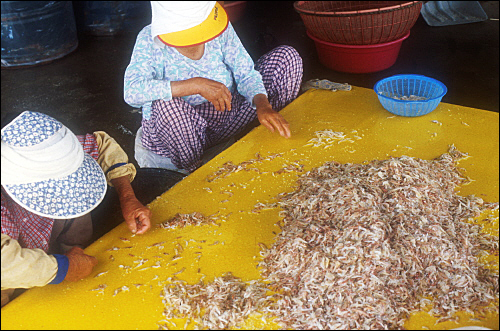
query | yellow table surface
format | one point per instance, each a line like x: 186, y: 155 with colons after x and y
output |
x: 356, y: 113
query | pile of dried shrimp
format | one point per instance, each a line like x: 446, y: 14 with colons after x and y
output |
x: 364, y: 245
x: 225, y: 303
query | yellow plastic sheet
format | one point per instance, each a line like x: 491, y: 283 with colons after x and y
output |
x: 234, y: 245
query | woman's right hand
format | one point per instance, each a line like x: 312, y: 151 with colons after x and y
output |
x: 80, y: 264
x: 216, y: 93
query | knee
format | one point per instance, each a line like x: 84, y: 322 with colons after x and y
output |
x: 289, y: 51
x: 289, y: 54
x: 168, y: 110
x: 174, y: 103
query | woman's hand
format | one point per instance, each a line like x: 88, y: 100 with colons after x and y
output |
x: 136, y: 215
x: 270, y: 118
x: 80, y: 264
x: 216, y: 93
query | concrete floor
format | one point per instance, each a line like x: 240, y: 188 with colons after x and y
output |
x: 84, y: 89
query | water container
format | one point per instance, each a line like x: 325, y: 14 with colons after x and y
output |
x: 107, y: 18
x: 35, y: 32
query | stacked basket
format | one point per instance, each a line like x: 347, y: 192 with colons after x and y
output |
x: 358, y: 36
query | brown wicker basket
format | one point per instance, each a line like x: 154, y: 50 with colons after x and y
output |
x: 358, y: 22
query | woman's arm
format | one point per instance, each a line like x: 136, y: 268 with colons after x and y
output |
x: 236, y: 58
x: 216, y: 93
x: 143, y: 80
x: 24, y: 267
x: 119, y: 173
x: 136, y: 215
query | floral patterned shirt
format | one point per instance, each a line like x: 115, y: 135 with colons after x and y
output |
x: 153, y: 66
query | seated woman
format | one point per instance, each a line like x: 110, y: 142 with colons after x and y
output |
x: 198, y: 86
x: 51, y: 181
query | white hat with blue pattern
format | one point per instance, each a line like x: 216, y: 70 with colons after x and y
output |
x: 46, y: 171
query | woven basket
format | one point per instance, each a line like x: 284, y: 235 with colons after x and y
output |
x: 358, y: 22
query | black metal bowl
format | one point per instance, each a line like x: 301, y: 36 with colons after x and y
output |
x: 150, y: 183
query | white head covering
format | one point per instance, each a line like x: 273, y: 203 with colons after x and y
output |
x: 56, y: 157
x: 45, y: 170
x: 173, y: 16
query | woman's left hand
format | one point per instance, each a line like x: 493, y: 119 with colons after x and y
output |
x: 136, y: 215
x: 270, y: 118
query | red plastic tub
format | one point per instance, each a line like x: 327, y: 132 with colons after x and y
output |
x: 235, y: 9
x: 358, y: 58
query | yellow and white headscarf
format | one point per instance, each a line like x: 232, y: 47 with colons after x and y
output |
x: 187, y: 23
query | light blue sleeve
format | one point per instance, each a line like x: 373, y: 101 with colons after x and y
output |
x: 248, y: 80
x: 144, y: 77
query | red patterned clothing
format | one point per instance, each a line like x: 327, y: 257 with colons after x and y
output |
x: 89, y: 144
x: 29, y: 229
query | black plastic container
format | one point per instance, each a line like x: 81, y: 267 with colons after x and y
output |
x: 108, y: 18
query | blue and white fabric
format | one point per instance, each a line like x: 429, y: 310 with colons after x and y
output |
x: 45, y: 170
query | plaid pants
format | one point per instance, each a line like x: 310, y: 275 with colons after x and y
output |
x: 182, y: 132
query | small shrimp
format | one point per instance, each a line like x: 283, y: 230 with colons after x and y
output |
x: 101, y: 273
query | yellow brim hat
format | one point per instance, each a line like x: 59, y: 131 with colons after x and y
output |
x: 215, y: 24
